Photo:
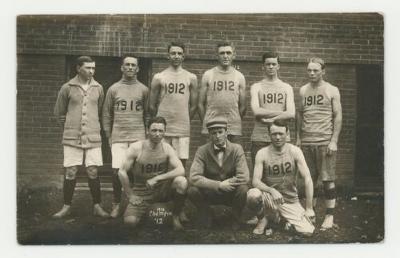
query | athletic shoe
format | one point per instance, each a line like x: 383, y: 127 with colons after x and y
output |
x: 65, y: 211
x: 177, y: 223
x: 115, y: 210
x: 261, y: 225
x: 328, y: 223
x: 269, y: 231
x: 288, y: 226
x: 183, y: 217
x: 98, y: 211
x: 252, y: 221
x: 312, y: 219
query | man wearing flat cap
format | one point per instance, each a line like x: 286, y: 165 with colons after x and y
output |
x: 219, y: 174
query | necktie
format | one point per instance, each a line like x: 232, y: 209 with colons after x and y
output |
x: 220, y: 154
x: 218, y: 150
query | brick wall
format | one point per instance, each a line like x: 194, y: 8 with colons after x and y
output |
x: 339, y: 38
x: 44, y: 42
x: 39, y: 153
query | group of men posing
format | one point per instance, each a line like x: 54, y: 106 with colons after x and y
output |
x: 148, y: 131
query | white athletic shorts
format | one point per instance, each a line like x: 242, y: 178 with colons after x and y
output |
x: 74, y: 156
x: 294, y: 213
x: 180, y: 145
x: 118, y: 151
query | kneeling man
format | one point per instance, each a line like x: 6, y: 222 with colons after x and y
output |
x: 219, y: 173
x: 158, y: 175
x: 275, y: 192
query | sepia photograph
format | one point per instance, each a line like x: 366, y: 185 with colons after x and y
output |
x: 200, y: 128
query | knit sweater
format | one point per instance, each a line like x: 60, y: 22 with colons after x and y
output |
x: 205, y: 171
x: 82, y: 110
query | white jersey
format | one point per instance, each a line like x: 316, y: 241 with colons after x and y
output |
x: 223, y: 98
x: 174, y: 101
x: 272, y: 96
x: 317, y: 109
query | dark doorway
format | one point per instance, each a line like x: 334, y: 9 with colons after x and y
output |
x: 369, y: 174
x: 108, y: 71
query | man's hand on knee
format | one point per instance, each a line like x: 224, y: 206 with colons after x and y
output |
x: 135, y: 200
x: 277, y: 196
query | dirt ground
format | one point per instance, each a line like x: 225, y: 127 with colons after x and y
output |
x: 359, y: 219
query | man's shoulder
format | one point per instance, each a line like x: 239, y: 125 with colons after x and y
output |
x: 293, y: 149
x: 265, y: 149
x: 203, y: 148
x: 159, y: 75
x: 71, y: 82
x: 186, y: 74
x: 234, y: 146
x: 256, y: 86
x: 190, y: 74
x: 142, y: 86
x: 285, y: 85
x: 115, y: 86
x: 331, y: 88
x: 166, y: 146
x: 304, y: 87
x: 291, y: 146
x: 307, y: 85
x: 137, y: 144
x: 95, y: 83
x: 236, y: 73
x: 66, y: 85
x: 209, y: 71
x: 136, y: 147
x: 239, y: 73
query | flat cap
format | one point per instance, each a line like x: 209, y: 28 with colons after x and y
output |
x: 217, y: 122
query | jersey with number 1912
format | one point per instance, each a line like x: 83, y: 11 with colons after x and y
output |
x: 317, y: 109
x: 174, y: 101
x: 123, y: 111
x: 148, y: 164
x: 280, y: 170
x: 273, y: 97
x: 223, y: 98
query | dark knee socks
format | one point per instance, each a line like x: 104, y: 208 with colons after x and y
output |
x: 68, y: 189
x: 117, y: 187
x: 179, y: 201
x: 94, y: 186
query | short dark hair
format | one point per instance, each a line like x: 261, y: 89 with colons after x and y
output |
x: 176, y: 44
x: 83, y: 59
x: 157, y: 120
x: 280, y: 123
x: 317, y: 60
x: 225, y: 44
x: 270, y: 55
x: 129, y: 55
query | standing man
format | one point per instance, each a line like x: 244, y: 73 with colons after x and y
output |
x: 158, y: 175
x: 124, y: 114
x: 223, y: 93
x: 275, y: 177
x: 78, y: 109
x: 219, y: 173
x: 174, y: 96
x: 271, y: 100
x: 318, y: 129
